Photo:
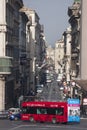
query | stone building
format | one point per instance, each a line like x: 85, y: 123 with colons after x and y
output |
x: 78, y: 21
x: 67, y: 53
x: 37, y: 46
x: 59, y: 56
x: 50, y: 54
x: 74, y: 13
x: 13, y: 41
x: 83, y: 41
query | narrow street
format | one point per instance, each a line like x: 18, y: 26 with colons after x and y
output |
x: 51, y: 92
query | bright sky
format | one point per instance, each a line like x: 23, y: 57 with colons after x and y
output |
x: 53, y: 15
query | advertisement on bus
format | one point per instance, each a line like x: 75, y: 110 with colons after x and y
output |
x: 73, y: 110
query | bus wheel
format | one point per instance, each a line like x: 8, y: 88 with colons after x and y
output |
x: 31, y: 119
x: 54, y: 120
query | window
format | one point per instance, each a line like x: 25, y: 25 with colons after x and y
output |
x: 60, y: 111
x: 49, y: 111
x: 29, y: 110
x: 41, y: 111
x: 55, y: 111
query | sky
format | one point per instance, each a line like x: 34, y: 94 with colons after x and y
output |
x: 53, y: 15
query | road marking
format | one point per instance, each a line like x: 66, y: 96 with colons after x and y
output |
x: 21, y: 126
x: 49, y: 126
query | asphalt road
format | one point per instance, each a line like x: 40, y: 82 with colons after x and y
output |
x: 20, y: 125
x: 51, y: 92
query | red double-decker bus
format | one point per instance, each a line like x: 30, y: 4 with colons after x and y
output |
x: 44, y: 111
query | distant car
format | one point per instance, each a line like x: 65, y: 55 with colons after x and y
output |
x: 58, y: 80
x: 4, y: 114
x: 61, y: 88
x: 14, y: 114
x: 39, y: 90
x: 39, y: 86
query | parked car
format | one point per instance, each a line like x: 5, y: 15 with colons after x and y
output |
x: 14, y: 114
x: 4, y: 114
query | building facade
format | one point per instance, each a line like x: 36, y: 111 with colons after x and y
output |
x: 37, y: 46
x: 59, y: 56
x: 74, y: 13
x: 14, y: 18
x: 67, y: 53
x: 83, y: 42
x: 13, y: 42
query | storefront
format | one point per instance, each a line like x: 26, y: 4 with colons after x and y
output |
x: 83, y: 95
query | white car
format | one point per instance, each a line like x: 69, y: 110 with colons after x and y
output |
x: 39, y: 90
x: 14, y: 113
x: 61, y: 88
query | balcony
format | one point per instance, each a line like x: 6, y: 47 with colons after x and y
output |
x: 5, y: 65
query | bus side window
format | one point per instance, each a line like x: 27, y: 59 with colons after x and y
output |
x: 32, y: 110
x: 38, y: 111
x: 41, y: 111
x: 51, y: 111
x: 60, y: 111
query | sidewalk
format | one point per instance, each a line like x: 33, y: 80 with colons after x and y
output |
x: 83, y: 116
